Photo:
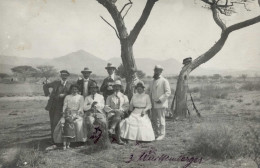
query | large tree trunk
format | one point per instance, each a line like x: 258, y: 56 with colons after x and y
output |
x: 182, y: 84
x: 181, y: 94
x: 128, y: 63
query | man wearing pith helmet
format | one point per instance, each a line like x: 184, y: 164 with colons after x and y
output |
x: 60, y: 89
x: 159, y: 92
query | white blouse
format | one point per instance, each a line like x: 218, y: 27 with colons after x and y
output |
x: 73, y: 102
x: 140, y: 101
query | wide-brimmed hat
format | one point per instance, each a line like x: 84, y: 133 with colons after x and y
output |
x: 140, y: 84
x: 158, y: 67
x: 187, y: 60
x: 117, y: 82
x: 110, y: 65
x: 86, y: 69
x: 64, y: 72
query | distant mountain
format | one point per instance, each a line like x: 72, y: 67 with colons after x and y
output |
x: 73, y: 62
x: 76, y: 61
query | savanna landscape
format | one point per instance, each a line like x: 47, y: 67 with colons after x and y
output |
x: 226, y: 135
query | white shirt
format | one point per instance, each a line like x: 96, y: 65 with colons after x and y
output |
x: 112, y: 76
x: 63, y: 82
x: 85, y: 87
x: 98, y: 98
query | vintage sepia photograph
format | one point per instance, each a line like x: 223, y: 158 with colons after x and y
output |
x: 130, y: 83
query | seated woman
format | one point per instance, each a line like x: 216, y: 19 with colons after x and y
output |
x: 72, y: 119
x: 95, y: 118
x: 138, y: 125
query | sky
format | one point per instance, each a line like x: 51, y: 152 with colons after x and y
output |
x: 175, y: 29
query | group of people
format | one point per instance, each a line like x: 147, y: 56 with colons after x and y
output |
x: 74, y: 108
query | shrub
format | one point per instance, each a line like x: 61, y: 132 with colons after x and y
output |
x: 195, y: 90
x: 212, y: 91
x: 29, y: 157
x: 216, y: 141
x: 251, y: 86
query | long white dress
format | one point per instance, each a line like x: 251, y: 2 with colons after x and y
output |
x: 136, y: 127
x: 73, y: 103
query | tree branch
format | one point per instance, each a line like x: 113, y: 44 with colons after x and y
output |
x: 232, y: 4
x: 119, y: 22
x: 243, y: 24
x: 220, y: 43
x: 129, y: 3
x: 217, y: 19
x: 207, y: 2
x: 142, y: 20
x: 127, y: 11
x: 111, y: 26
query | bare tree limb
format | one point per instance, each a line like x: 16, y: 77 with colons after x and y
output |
x: 129, y: 3
x: 127, y: 11
x: 243, y: 24
x: 142, y: 20
x: 111, y: 26
x: 220, y: 43
x: 232, y: 4
x: 119, y: 22
x: 220, y: 10
x: 207, y: 2
x: 217, y: 19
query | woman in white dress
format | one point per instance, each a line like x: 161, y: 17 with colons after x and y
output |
x: 73, y: 105
x: 138, y: 125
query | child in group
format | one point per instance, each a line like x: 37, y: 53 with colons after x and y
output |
x: 68, y: 129
x: 72, y: 119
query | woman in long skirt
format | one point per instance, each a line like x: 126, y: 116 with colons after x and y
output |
x: 138, y: 125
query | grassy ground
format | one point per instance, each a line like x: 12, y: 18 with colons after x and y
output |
x: 226, y: 123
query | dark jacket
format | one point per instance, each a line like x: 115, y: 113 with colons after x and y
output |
x: 80, y: 83
x: 57, y: 89
x: 104, y: 86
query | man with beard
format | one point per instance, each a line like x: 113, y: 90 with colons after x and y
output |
x: 159, y: 93
x: 60, y: 89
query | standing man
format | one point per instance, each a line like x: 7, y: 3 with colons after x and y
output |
x: 159, y: 92
x: 85, y: 82
x: 60, y: 88
x: 117, y: 105
x: 107, y: 85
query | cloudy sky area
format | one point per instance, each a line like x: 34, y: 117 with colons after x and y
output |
x: 175, y: 29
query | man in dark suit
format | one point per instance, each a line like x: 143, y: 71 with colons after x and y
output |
x: 107, y: 85
x: 60, y: 88
x: 85, y: 83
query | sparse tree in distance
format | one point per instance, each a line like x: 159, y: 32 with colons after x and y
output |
x: 126, y: 39
x: 46, y: 71
x: 244, y: 76
x: 228, y: 77
x: 3, y: 75
x: 216, y: 76
x: 218, y: 8
x: 24, y: 71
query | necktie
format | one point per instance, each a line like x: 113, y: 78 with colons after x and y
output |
x: 118, y: 101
